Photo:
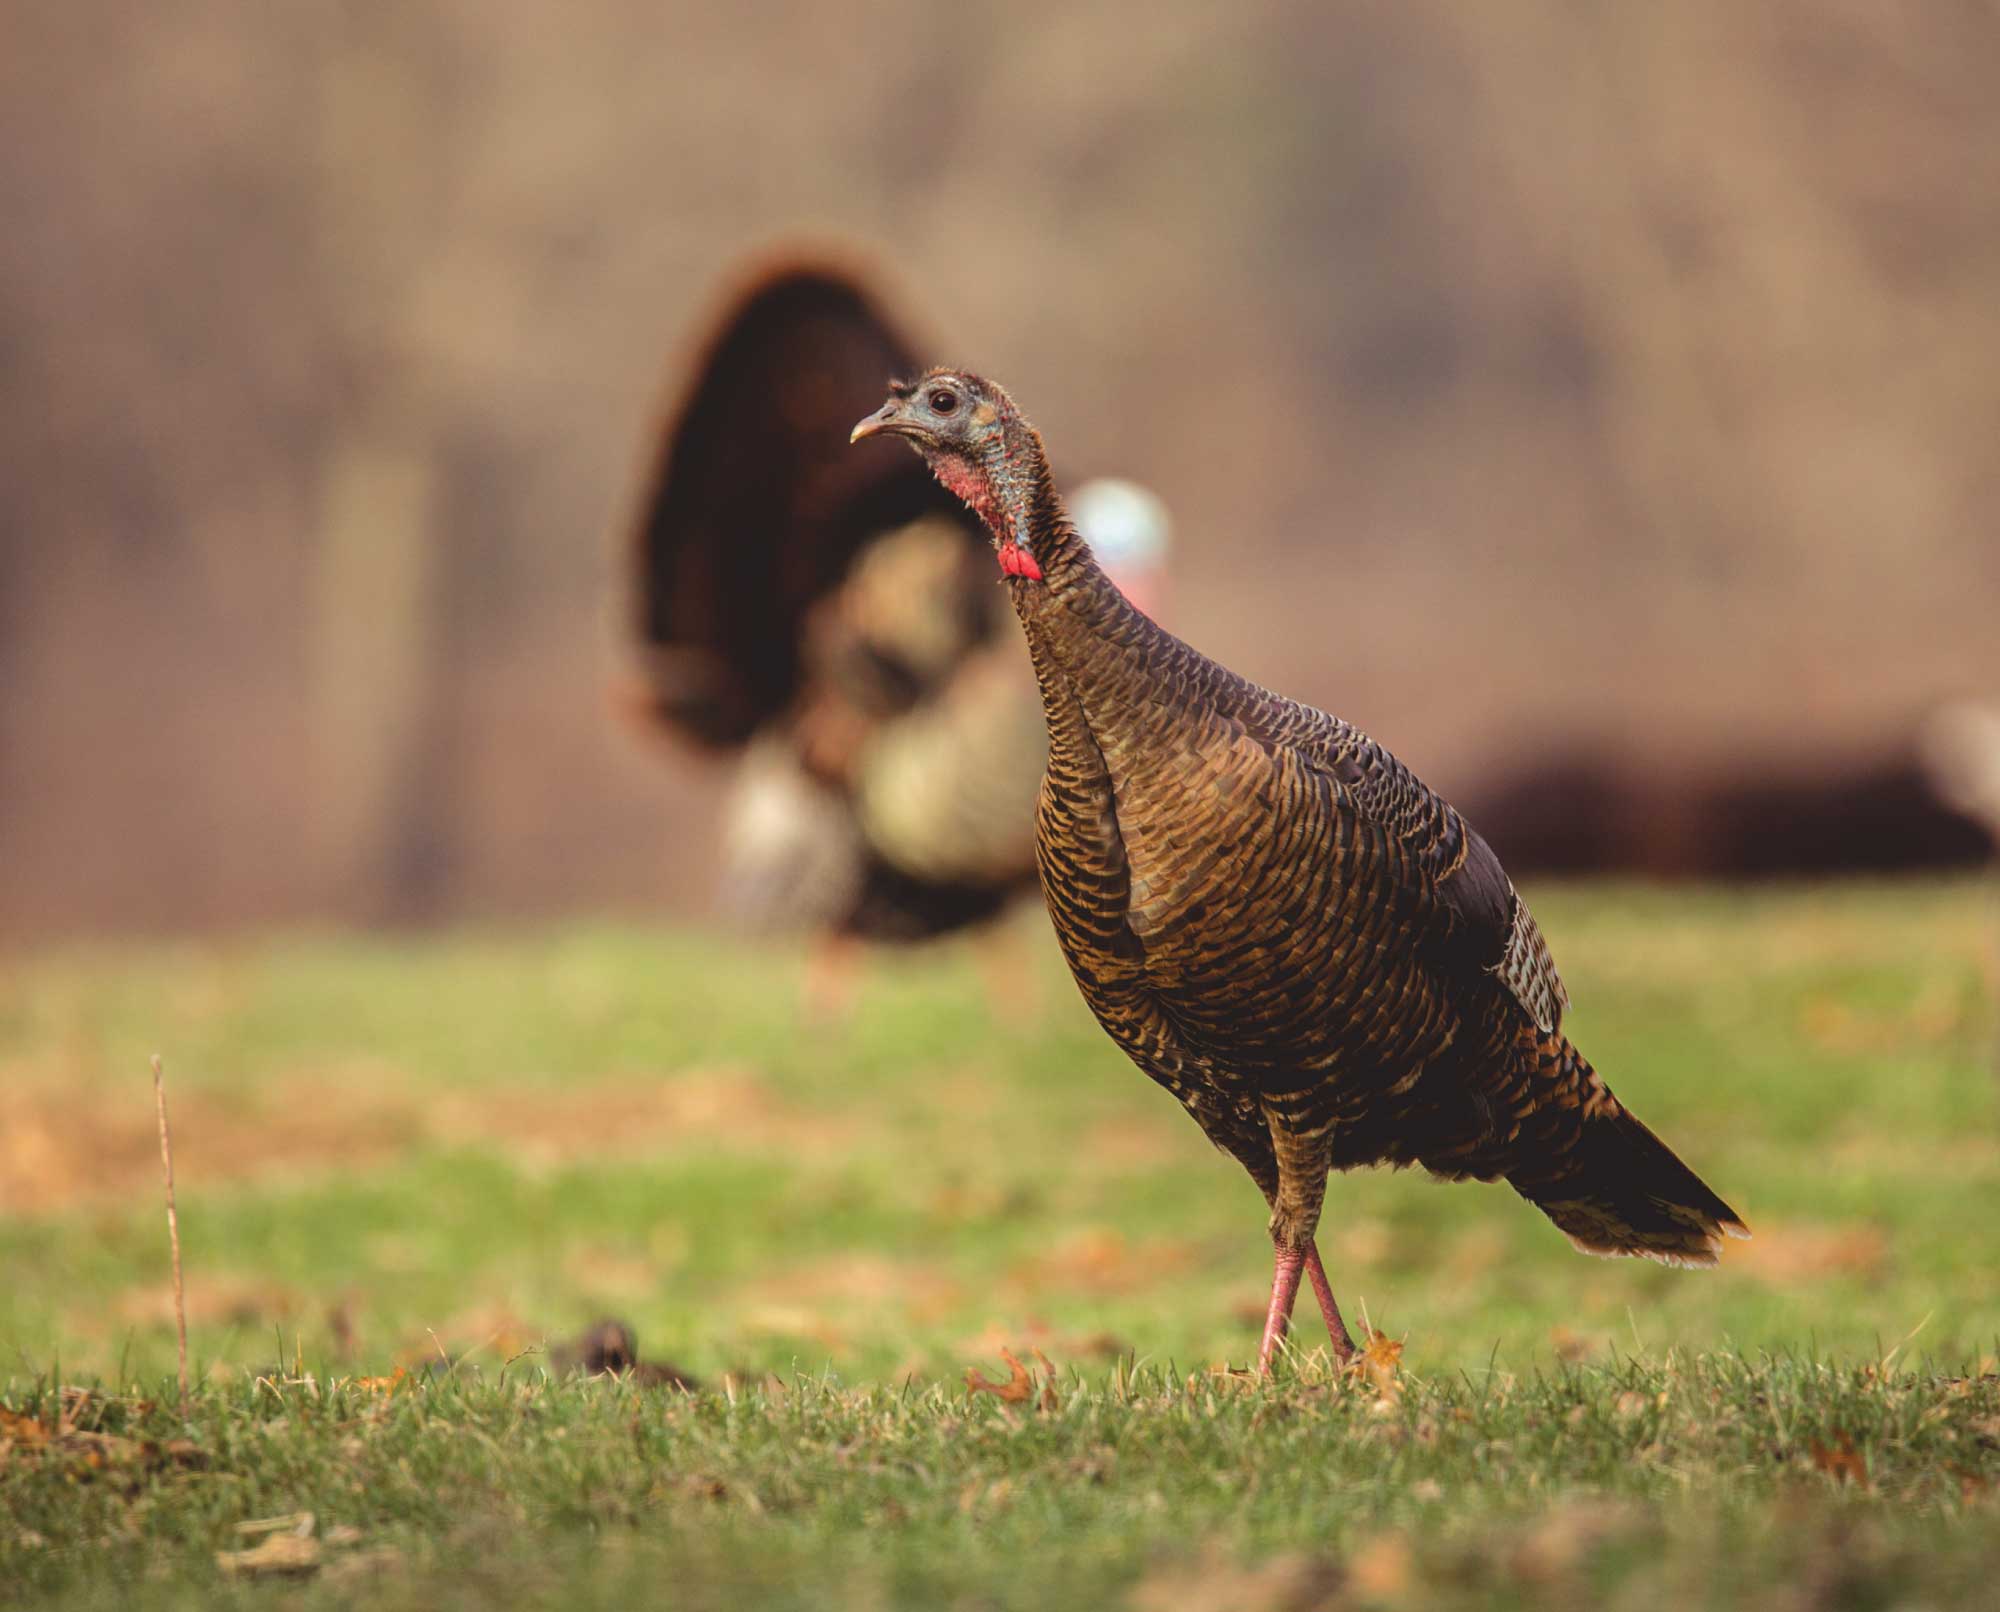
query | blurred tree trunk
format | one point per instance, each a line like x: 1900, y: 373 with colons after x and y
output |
x: 388, y: 661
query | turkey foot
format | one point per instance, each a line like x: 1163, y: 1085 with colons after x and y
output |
x: 1287, y: 1266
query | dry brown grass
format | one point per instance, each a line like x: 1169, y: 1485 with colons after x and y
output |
x: 62, y: 1150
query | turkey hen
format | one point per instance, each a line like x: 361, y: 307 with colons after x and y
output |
x: 1277, y: 921
x: 832, y: 616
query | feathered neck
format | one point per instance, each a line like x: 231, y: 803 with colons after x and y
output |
x: 1010, y: 488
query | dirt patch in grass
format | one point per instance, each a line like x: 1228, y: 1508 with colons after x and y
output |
x: 59, y: 1150
x: 732, y: 1108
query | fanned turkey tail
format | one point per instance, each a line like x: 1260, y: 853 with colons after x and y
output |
x: 1613, y: 1187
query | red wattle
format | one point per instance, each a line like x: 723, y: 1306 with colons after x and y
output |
x: 1016, y: 561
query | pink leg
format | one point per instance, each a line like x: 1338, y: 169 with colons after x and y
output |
x: 1336, y: 1329
x: 1287, y: 1266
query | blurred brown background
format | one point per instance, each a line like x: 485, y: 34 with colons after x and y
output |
x: 1528, y: 381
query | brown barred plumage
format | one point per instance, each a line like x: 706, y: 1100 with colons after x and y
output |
x: 1278, y: 921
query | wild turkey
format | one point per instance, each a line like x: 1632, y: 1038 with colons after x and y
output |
x: 1277, y: 921
x: 833, y: 616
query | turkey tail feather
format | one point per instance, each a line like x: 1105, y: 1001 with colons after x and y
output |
x: 1617, y: 1189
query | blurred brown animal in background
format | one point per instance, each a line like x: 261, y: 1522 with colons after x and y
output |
x: 831, y: 617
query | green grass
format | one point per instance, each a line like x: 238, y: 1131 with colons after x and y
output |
x: 474, y: 1144
x: 1662, y: 1482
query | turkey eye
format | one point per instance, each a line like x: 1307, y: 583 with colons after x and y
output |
x: 943, y: 402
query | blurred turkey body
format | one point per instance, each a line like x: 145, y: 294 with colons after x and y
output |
x: 864, y: 809
x: 1277, y: 921
x: 835, y: 618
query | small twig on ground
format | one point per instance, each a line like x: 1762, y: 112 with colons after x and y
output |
x: 173, y: 1227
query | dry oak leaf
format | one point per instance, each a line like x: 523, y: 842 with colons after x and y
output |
x: 1019, y: 1386
x: 1380, y: 1360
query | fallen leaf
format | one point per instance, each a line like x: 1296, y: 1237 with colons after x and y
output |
x: 18, y: 1427
x: 1019, y: 1385
x: 282, y: 1555
x: 1842, y: 1462
x: 289, y: 1549
x: 1380, y: 1361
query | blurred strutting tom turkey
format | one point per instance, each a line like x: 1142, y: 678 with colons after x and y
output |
x: 832, y: 617
x: 1277, y: 921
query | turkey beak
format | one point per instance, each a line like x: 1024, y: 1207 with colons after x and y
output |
x: 886, y: 418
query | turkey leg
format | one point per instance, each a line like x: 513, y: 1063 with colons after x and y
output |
x: 1336, y: 1329
x: 1288, y: 1265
